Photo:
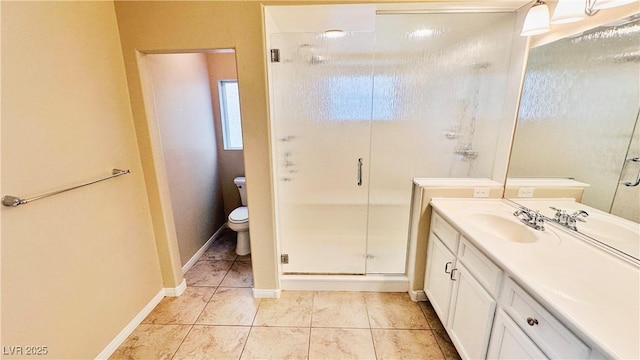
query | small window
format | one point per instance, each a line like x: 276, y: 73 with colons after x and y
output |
x: 230, y: 112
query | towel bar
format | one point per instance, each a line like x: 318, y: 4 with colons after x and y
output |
x: 13, y: 201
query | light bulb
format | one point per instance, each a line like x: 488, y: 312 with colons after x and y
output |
x: 568, y: 11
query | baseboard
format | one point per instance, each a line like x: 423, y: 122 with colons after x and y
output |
x: 266, y: 293
x: 176, y: 291
x: 417, y: 295
x: 137, y: 320
x: 381, y: 283
x: 132, y: 325
x: 202, y: 250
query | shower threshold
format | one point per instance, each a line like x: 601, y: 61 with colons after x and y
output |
x: 324, y: 282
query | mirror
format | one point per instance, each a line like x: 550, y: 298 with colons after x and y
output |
x: 577, y: 132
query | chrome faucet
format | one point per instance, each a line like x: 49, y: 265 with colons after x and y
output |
x: 531, y: 218
x: 568, y: 220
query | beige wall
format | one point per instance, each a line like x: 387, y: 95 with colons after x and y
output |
x: 78, y: 266
x: 185, y: 118
x: 176, y: 26
x: 222, y: 66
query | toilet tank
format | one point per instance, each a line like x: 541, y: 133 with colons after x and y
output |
x: 241, y: 184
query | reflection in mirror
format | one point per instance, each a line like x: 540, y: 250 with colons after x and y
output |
x: 578, y: 120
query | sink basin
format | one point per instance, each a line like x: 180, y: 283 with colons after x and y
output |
x: 617, y: 233
x: 609, y: 229
x: 504, y: 229
x: 622, y: 236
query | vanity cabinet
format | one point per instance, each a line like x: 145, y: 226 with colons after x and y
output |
x: 486, y: 314
x: 463, y: 304
x: 470, y: 315
x: 438, y: 275
x: 443, y: 243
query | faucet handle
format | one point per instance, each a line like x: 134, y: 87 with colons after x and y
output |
x: 579, y: 213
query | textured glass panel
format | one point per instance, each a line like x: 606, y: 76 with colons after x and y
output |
x: 439, y: 90
x: 322, y: 98
x: 579, y: 105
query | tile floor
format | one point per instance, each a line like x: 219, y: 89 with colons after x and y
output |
x: 218, y: 318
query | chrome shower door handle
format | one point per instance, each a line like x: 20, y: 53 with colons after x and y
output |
x: 629, y: 183
x: 360, y: 172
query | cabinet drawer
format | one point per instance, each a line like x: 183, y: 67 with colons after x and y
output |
x: 547, y: 332
x: 444, y: 232
x: 509, y: 342
x: 484, y: 270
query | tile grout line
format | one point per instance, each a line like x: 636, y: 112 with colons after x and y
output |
x: 195, y: 321
x: 373, y: 342
x: 432, y: 331
x: 313, y: 299
x: 251, y: 327
x: 244, y: 346
x: 215, y: 290
x: 227, y: 272
x: 182, y: 342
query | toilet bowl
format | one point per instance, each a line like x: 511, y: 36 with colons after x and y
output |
x: 238, y: 220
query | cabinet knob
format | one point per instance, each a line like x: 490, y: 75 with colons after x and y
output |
x: 532, y: 321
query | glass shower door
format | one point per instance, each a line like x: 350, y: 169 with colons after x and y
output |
x: 322, y: 98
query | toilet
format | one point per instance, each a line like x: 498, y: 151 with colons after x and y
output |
x: 238, y: 220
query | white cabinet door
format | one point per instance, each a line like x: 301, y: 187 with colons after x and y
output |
x: 471, y: 315
x: 508, y: 341
x: 437, y: 284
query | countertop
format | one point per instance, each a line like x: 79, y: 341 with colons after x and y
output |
x: 594, y: 293
x: 455, y: 182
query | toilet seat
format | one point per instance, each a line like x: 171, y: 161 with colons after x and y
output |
x: 239, y: 215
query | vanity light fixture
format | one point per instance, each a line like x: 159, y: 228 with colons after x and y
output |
x: 568, y: 11
x: 537, y: 19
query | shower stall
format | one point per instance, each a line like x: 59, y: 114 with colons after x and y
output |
x: 357, y: 114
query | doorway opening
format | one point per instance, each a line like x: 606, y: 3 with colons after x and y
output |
x: 198, y: 147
